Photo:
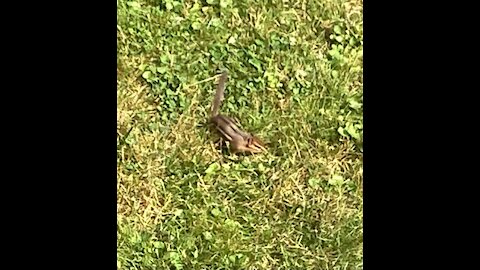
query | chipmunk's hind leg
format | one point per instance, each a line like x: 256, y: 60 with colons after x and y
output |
x: 219, y: 142
x: 221, y: 145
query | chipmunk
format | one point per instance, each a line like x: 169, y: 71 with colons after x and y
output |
x: 240, y: 141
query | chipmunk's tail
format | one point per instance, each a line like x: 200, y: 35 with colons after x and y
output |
x: 217, y: 100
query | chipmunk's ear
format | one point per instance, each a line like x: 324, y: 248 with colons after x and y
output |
x: 262, y: 143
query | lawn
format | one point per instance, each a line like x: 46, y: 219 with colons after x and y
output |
x: 295, y: 80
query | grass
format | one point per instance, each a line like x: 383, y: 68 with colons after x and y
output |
x: 295, y: 80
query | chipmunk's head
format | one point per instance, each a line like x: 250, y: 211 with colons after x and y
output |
x: 251, y: 145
